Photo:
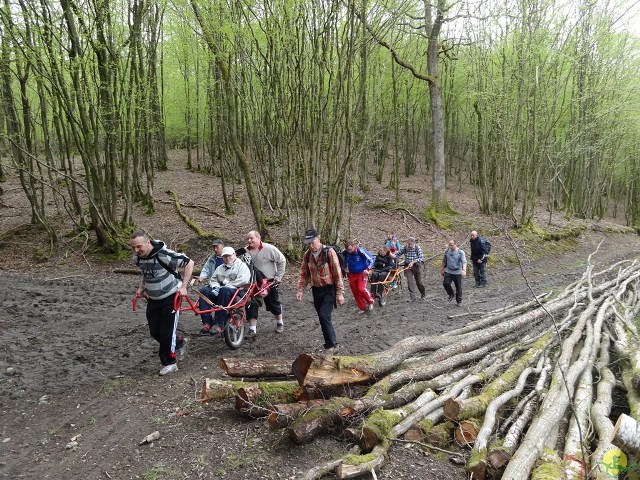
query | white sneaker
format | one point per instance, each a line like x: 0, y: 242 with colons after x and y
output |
x: 168, y: 369
x: 370, y: 307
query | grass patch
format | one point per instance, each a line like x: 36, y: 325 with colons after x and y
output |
x: 159, y: 472
x: 110, y: 385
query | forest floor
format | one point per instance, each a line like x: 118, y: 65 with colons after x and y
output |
x: 78, y: 365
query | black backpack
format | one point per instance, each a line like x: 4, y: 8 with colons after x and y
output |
x: 257, y: 276
x: 486, y: 243
x: 325, y: 256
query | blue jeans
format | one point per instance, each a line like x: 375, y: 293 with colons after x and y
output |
x: 324, y: 300
x: 222, y: 298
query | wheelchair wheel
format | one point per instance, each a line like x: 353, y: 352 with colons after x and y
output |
x: 234, y: 328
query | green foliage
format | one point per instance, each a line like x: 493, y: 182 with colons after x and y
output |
x: 441, y: 215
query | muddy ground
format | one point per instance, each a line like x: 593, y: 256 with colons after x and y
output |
x: 78, y: 365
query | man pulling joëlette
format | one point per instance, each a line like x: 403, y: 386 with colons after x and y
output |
x: 160, y: 284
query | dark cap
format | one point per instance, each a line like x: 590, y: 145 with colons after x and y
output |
x: 217, y: 241
x: 309, y: 235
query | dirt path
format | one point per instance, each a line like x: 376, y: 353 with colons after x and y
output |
x: 78, y: 363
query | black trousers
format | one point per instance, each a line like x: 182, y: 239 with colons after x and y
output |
x: 163, y: 327
x: 457, y: 281
x: 324, y: 300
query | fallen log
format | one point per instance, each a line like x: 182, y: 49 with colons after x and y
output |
x: 216, y: 390
x: 283, y: 415
x: 471, y: 407
x: 354, y: 466
x: 322, y: 470
x: 319, y: 371
x: 557, y: 399
x: 499, y: 454
x: 319, y: 418
x: 601, y: 410
x: 377, y: 427
x: 626, y: 434
x: 578, y: 438
x: 256, y: 399
x: 477, y: 463
x: 256, y: 368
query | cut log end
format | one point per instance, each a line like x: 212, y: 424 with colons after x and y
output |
x: 626, y: 434
x: 301, y: 366
x: 451, y: 408
x: 465, y: 433
x: 498, y: 459
x: 478, y: 471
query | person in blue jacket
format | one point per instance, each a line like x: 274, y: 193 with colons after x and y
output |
x: 359, y: 262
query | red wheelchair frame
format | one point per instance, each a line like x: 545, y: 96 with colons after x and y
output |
x: 233, y: 329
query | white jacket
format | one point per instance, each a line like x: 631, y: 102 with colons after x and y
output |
x: 232, y: 275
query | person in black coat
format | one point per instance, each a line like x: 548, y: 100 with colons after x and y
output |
x: 479, y: 257
x: 382, y: 265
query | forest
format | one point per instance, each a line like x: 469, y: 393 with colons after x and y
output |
x: 301, y: 104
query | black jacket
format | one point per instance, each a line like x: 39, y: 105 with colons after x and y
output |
x: 384, y: 263
x: 478, y: 249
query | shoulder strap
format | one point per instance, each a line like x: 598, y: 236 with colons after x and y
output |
x: 163, y: 265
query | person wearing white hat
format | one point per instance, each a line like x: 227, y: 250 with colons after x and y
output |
x: 224, y: 282
x: 210, y: 264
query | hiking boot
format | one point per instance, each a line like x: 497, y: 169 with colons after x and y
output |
x: 250, y: 335
x: 168, y: 369
x: 206, y: 328
x: 450, y: 297
x: 181, y: 353
x: 330, y: 351
x: 279, y: 328
x: 216, y: 331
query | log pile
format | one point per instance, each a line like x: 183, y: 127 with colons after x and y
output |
x: 522, y: 392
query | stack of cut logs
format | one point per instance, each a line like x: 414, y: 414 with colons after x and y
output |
x: 521, y: 392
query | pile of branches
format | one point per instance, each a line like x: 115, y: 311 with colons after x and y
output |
x: 522, y: 392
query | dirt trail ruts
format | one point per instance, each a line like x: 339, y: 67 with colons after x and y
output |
x: 77, y: 362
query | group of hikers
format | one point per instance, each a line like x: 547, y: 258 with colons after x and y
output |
x: 224, y: 275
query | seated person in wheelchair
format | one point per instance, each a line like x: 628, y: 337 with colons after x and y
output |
x: 382, y: 265
x: 224, y: 282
